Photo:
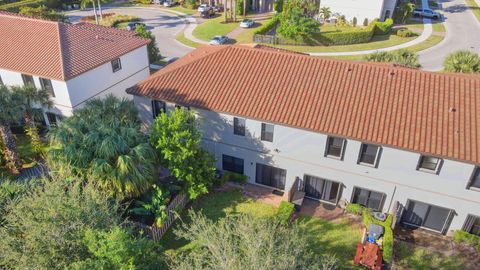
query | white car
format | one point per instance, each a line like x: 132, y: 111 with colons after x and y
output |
x: 218, y: 40
x: 247, y: 23
x: 203, y: 8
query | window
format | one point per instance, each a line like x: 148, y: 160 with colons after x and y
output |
x: 116, y: 65
x: 420, y: 214
x: 52, y: 119
x: 472, y: 225
x: 47, y: 85
x: 39, y: 117
x: 429, y: 164
x: 27, y: 79
x: 270, y: 176
x: 335, y: 147
x: 239, y: 126
x: 322, y: 189
x: 267, y: 132
x: 368, y: 198
x: 369, y: 154
x: 158, y: 107
x: 475, y: 180
x: 232, y: 164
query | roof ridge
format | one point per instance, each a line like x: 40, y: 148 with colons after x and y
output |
x: 60, y: 45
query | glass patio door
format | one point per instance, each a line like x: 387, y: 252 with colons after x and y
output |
x: 425, y: 215
x: 322, y: 189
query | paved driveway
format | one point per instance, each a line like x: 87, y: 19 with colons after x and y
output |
x: 165, y: 26
x: 463, y: 32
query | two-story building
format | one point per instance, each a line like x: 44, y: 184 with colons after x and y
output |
x: 74, y: 63
x: 361, y: 9
x: 369, y: 133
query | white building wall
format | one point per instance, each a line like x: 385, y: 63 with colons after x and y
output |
x: 361, y: 9
x: 301, y: 152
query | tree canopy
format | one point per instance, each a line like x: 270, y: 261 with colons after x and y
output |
x: 295, y: 25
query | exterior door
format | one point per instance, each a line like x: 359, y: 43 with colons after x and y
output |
x: 425, y: 215
x: 322, y: 189
x: 271, y: 176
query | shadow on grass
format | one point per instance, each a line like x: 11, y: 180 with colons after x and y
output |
x: 411, y: 257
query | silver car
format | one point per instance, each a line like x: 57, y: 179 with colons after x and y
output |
x: 203, y: 8
x: 247, y: 23
x: 218, y: 40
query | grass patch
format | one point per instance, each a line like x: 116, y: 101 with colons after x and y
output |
x: 246, y: 36
x: 438, y: 27
x: 471, y: 4
x: 183, y: 10
x: 411, y: 257
x: 213, y: 27
x: 182, y: 39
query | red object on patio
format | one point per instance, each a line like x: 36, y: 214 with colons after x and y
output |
x: 369, y: 255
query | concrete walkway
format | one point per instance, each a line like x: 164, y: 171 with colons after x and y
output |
x: 427, y: 32
x: 191, y: 24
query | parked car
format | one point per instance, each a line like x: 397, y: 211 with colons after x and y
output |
x: 427, y: 13
x: 218, y: 40
x: 131, y: 26
x: 218, y: 8
x: 202, y: 8
x: 247, y: 23
x: 207, y: 13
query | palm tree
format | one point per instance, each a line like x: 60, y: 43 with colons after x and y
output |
x: 326, y: 13
x: 104, y: 139
x: 85, y: 3
x: 10, y: 112
x: 32, y: 99
x: 462, y: 61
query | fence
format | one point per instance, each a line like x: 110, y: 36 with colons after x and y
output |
x: 156, y: 233
x: 274, y: 40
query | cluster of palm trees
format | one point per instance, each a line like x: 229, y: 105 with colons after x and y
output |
x: 85, y: 3
x: 20, y: 104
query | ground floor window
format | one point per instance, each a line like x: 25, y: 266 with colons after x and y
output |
x: 425, y: 215
x: 322, y: 189
x: 472, y: 225
x: 368, y: 198
x: 52, y: 118
x: 232, y: 164
x: 270, y: 176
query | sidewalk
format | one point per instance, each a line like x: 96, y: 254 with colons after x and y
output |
x: 191, y: 24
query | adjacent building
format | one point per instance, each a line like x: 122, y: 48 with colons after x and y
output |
x: 74, y: 63
x: 361, y: 9
x: 390, y: 138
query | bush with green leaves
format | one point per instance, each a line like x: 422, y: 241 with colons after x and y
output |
x: 404, y: 33
x: 43, y: 12
x: 104, y: 139
x: 15, y: 6
x: 268, y: 26
x: 177, y: 140
x: 234, y: 177
x: 354, y: 208
x: 246, y: 242
x: 296, y: 26
x: 462, y: 61
x: 190, y: 4
x: 365, y: 22
x: 347, y: 37
x: 154, y: 207
x: 383, y: 28
x: 278, y: 6
x: 387, y: 245
x: 153, y: 51
x: 467, y: 238
x: 401, y: 57
x: 285, y: 212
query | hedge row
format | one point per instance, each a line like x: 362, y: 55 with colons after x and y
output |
x: 15, y: 7
x: 368, y: 219
x: 268, y: 26
x: 285, y: 212
x: 347, y: 37
x: 383, y: 28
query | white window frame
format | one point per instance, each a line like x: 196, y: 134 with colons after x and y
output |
x: 342, y: 151
x: 377, y: 156
x: 437, y: 166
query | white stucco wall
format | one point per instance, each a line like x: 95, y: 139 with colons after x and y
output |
x: 361, y: 9
x: 301, y: 152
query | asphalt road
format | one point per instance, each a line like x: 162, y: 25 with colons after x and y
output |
x: 165, y: 26
x: 462, y: 32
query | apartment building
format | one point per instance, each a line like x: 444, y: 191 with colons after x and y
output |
x: 383, y: 136
x: 73, y: 62
x: 361, y: 9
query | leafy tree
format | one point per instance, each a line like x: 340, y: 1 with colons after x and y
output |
x: 177, y: 140
x: 33, y: 97
x: 278, y: 6
x: 296, y: 26
x: 104, y: 139
x: 246, y: 242
x: 43, y: 12
x: 10, y: 112
x: 117, y: 248
x: 11, y: 192
x: 45, y: 228
x: 153, y: 51
x: 156, y: 207
x: 326, y: 13
x: 406, y: 11
x: 402, y: 57
x: 462, y: 61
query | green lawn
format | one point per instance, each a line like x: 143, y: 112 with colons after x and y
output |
x: 181, y: 38
x: 324, y: 236
x: 474, y: 7
x: 246, y: 36
x: 408, y: 257
x: 213, y: 27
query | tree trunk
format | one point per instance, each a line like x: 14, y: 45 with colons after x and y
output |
x: 225, y: 10
x: 95, y: 12
x: 100, y: 10
x: 10, y: 152
x: 245, y: 8
x: 234, y: 10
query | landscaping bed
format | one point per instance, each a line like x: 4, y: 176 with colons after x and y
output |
x: 112, y: 19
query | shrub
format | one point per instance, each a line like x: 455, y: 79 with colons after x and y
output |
x: 365, y: 22
x: 404, y: 33
x: 191, y: 4
x: 268, y: 26
x: 462, y: 61
x: 234, y: 177
x: 285, y: 212
x: 347, y: 37
x: 368, y: 219
x: 354, y: 21
x: 15, y: 6
x: 383, y: 28
x: 278, y: 6
x: 468, y: 238
x: 354, y: 208
x: 401, y: 57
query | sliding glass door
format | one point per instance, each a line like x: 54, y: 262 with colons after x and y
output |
x: 425, y: 215
x: 322, y: 189
x: 271, y: 176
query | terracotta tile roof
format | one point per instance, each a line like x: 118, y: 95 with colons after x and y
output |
x: 57, y: 50
x: 431, y: 113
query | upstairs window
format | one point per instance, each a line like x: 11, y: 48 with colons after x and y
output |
x: 239, y: 126
x: 474, y: 182
x: 335, y: 147
x: 116, y: 65
x: 158, y: 107
x: 27, y: 79
x: 429, y: 164
x: 369, y: 154
x: 267, y: 132
x: 47, y: 86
